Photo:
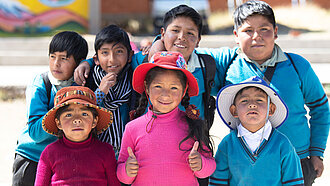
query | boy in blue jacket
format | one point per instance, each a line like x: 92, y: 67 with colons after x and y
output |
x: 66, y: 50
x: 254, y: 153
x: 292, y: 77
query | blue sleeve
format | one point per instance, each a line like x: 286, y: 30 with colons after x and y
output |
x: 290, y: 165
x: 221, y: 174
x: 317, y: 102
x: 99, y: 97
x: 222, y: 56
x: 90, y: 62
x: 37, y: 107
x: 137, y: 59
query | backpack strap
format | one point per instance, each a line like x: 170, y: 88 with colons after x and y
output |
x: 48, y: 85
x: 268, y: 75
x: 230, y: 62
x: 208, y: 70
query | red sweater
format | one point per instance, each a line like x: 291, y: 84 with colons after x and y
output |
x: 91, y: 162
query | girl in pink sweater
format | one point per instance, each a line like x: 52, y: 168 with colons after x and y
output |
x: 165, y: 146
x: 78, y: 157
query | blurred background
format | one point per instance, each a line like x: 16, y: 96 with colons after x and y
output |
x: 26, y: 28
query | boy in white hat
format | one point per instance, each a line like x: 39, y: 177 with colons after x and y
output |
x: 254, y: 153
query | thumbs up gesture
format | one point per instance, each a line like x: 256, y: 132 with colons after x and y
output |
x: 195, y: 159
x: 132, y: 165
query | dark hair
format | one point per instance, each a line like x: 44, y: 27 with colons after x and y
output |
x: 112, y: 34
x: 71, y: 42
x: 183, y: 11
x: 61, y: 110
x: 252, y: 8
x: 197, y: 128
x: 245, y: 88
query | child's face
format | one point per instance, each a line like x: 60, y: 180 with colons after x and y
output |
x: 113, y: 57
x: 251, y: 109
x: 256, y: 37
x: 165, y: 92
x: 61, y: 66
x: 181, y: 36
x: 76, y: 122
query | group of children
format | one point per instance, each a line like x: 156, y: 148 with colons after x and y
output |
x: 167, y: 141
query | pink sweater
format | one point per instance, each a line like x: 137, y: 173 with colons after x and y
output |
x: 161, y: 162
x: 91, y: 162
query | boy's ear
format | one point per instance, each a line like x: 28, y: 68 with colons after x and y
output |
x: 130, y: 55
x: 236, y: 36
x: 58, y: 124
x: 162, y: 33
x: 233, y: 111
x: 95, y: 120
x: 275, y: 32
x: 96, y: 60
x: 272, y: 108
x: 197, y: 44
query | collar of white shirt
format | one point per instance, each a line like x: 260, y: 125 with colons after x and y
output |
x: 254, y: 139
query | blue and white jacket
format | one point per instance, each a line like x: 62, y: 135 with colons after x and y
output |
x: 33, y: 139
x: 297, y: 88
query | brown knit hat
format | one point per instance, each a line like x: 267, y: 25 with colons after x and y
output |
x: 76, y: 95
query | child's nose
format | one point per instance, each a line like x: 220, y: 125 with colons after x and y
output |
x: 182, y: 36
x: 252, y: 105
x: 76, y: 121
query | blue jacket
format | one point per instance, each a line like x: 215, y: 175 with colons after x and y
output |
x: 297, y: 89
x: 33, y: 138
x: 276, y: 163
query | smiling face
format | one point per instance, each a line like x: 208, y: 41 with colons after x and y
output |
x: 165, y: 91
x: 181, y: 35
x: 76, y: 121
x: 112, y: 57
x: 251, y: 108
x: 61, y: 66
x: 256, y: 37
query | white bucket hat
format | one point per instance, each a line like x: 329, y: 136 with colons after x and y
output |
x: 227, y: 94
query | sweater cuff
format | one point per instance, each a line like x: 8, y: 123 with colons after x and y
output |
x: 99, y: 96
x: 122, y: 176
x: 208, y: 167
x: 316, y: 151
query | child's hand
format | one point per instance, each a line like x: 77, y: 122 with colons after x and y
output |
x: 318, y: 165
x: 107, y: 82
x: 81, y: 73
x: 195, y: 159
x: 132, y: 165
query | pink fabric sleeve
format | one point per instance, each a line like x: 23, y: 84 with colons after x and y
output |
x: 44, y: 171
x: 123, y: 155
x: 208, y: 165
x: 110, y: 168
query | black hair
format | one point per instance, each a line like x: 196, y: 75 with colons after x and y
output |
x: 252, y: 8
x: 183, y: 11
x: 245, y: 88
x: 112, y: 34
x: 71, y: 42
x: 61, y: 110
x: 197, y: 128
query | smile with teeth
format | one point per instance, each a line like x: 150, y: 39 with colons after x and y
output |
x: 113, y: 66
x: 179, y: 46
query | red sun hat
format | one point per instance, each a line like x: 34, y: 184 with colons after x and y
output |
x: 76, y: 95
x: 167, y: 60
